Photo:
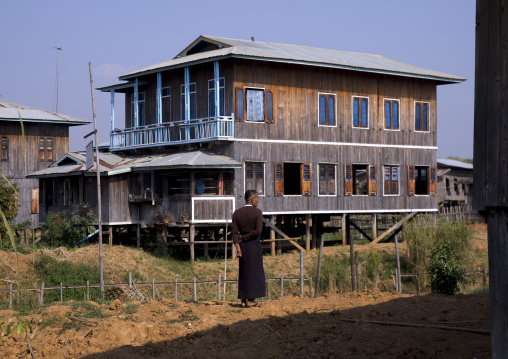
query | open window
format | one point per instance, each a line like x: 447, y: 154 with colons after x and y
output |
x: 421, y: 180
x: 141, y: 187
x: 293, y: 179
x: 255, y: 177
x: 254, y: 105
x: 360, y: 180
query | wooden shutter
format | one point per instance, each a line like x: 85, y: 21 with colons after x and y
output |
x: 42, y: 147
x: 49, y: 149
x: 240, y: 104
x: 279, y: 179
x: 348, y: 180
x: 306, y: 177
x: 372, y: 180
x: 410, y: 180
x: 220, y: 183
x: 269, y: 107
x: 35, y: 200
x: 432, y: 182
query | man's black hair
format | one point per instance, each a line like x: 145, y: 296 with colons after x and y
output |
x: 249, y: 194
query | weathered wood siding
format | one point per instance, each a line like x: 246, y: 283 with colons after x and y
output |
x: 20, y: 163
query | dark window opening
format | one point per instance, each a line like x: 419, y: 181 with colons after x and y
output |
x: 292, y: 179
x: 421, y: 180
x: 360, y: 180
x: 177, y: 184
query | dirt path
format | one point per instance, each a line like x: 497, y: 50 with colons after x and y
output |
x: 285, y: 328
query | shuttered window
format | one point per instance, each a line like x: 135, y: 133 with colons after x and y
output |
x: 326, y: 109
x: 432, y: 183
x: 67, y: 191
x: 326, y: 179
x: 360, y: 112
x: 45, y: 149
x: 410, y: 180
x: 348, y: 180
x: 254, y: 105
x: 391, y: 180
x: 4, y: 156
x: 255, y: 177
x: 279, y: 179
x: 372, y: 180
x: 306, y: 178
x: 391, y: 114
x: 421, y: 116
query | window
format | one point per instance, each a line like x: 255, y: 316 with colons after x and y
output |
x: 391, y: 114
x: 45, y: 148
x: 391, y: 180
x: 361, y: 112
x: 421, y: 116
x: 421, y: 180
x: 141, y: 109
x: 166, y: 104
x: 255, y: 177
x: 192, y: 101
x: 178, y: 184
x: 293, y: 179
x: 5, y: 149
x: 326, y: 179
x: 211, y: 97
x: 360, y: 180
x: 213, y: 183
x: 254, y: 105
x: 326, y: 109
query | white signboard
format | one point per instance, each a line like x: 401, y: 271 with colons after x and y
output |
x: 89, y: 155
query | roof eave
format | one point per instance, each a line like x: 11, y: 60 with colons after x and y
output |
x: 63, y: 122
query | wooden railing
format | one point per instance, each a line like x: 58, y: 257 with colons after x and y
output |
x: 179, y: 132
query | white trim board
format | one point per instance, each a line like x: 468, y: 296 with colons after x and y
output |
x: 294, y: 142
x: 339, y: 211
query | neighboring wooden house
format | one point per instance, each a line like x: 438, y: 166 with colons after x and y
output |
x: 46, y: 139
x: 316, y: 132
x: 454, y: 184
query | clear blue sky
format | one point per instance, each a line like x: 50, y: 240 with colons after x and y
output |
x: 119, y: 36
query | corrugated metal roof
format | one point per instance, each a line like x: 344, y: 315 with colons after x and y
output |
x: 446, y: 162
x: 11, y: 112
x: 112, y: 164
x: 294, y: 54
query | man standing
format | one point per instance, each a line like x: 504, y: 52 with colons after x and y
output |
x: 246, y: 230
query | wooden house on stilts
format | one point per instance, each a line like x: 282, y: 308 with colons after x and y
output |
x: 316, y: 132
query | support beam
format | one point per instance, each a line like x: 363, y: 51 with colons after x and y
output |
x: 314, y: 232
x: 360, y: 230
x: 374, y: 225
x: 272, y: 235
x: 217, y: 90
x: 395, y: 227
x: 192, y: 233
x: 267, y: 223
x: 343, y: 228
x: 110, y: 230
x: 187, y: 100
x: 159, y: 98
x: 136, y: 112
x: 279, y: 225
x: 307, y: 231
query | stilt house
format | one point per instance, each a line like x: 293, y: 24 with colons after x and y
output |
x: 316, y: 132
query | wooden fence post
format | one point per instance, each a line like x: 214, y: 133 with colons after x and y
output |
x: 88, y: 290
x: 130, y: 280
x: 301, y: 273
x: 194, y: 289
x: 218, y: 288
x: 41, y: 300
x: 153, y: 289
x: 320, y: 258
x: 281, y: 285
x: 397, y: 259
x: 357, y: 272
x: 176, y: 288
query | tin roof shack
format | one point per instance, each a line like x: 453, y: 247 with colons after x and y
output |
x: 316, y: 132
x: 454, y: 184
x: 46, y: 138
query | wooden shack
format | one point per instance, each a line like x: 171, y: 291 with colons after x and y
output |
x: 316, y: 132
x: 454, y: 185
x: 46, y: 139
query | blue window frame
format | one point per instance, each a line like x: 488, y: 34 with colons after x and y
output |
x: 192, y: 101
x: 326, y: 109
x: 391, y: 114
x: 421, y: 116
x: 360, y: 112
x: 211, y: 97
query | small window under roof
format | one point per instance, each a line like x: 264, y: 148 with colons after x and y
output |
x: 202, y: 46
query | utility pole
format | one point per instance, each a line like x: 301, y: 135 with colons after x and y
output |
x: 57, y: 76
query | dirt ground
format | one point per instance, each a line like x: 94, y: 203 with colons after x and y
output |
x: 285, y: 328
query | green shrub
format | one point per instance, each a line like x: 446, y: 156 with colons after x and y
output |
x: 338, y: 268
x: 66, y: 229
x: 52, y: 272
x: 445, y: 270
x: 374, y: 267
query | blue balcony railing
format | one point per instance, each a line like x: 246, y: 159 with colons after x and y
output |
x: 180, y: 132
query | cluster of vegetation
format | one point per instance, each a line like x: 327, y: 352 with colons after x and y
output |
x: 68, y: 228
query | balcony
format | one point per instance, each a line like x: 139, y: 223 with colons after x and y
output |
x: 174, y: 133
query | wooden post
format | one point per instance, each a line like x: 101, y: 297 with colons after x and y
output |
x: 138, y: 234
x: 207, y: 253
x: 110, y: 230
x: 61, y: 292
x: 351, y: 254
x: 308, y: 219
x: 343, y: 228
x: 41, y: 299
x: 192, y: 233
x: 281, y: 285
x: 218, y: 288
x: 397, y: 260
x: 176, y: 288
x: 374, y: 225
x: 130, y: 280
x: 10, y: 296
x: 272, y: 236
x: 357, y: 272
x: 195, y: 290
x: 88, y: 290
x: 314, y: 232
x: 396, y: 281
x: 153, y: 289
x: 318, y: 272
x: 301, y: 273
x: 277, y: 235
